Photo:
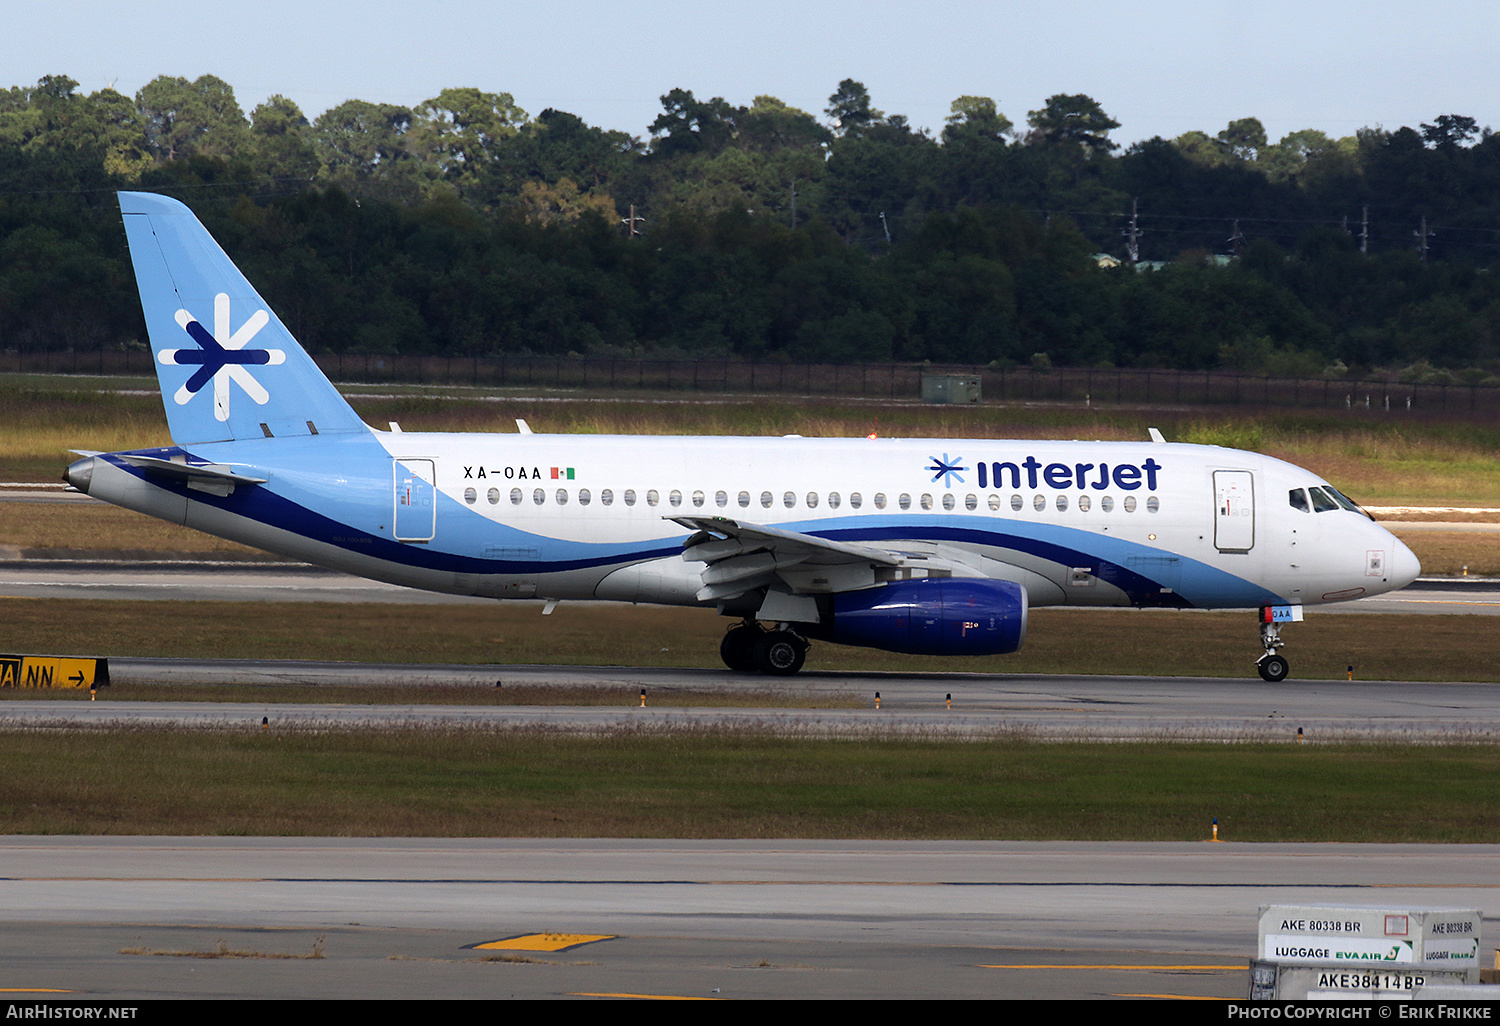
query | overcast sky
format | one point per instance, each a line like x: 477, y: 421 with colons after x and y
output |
x: 1160, y: 68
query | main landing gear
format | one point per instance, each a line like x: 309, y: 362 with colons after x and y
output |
x: 1273, y: 666
x: 748, y: 648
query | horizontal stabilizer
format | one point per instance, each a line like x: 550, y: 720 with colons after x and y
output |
x: 215, y: 478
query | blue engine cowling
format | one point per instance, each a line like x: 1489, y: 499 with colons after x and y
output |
x: 932, y: 616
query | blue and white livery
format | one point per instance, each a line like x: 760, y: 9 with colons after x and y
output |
x: 930, y: 546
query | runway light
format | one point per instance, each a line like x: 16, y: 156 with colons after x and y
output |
x: 877, y: 699
x: 1215, y: 837
x: 643, y: 698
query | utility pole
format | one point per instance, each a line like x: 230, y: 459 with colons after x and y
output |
x: 1236, y: 240
x: 1423, y: 234
x: 1133, y: 233
x: 631, y: 222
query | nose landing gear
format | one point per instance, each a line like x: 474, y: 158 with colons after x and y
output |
x: 1273, y: 666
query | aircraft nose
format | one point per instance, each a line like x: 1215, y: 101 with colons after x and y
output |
x: 80, y: 473
x: 1404, y: 567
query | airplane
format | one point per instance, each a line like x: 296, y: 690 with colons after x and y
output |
x: 928, y: 546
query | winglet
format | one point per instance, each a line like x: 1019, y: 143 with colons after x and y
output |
x: 1156, y: 436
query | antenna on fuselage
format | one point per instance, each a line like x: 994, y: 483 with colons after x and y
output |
x: 522, y: 426
x: 1156, y: 436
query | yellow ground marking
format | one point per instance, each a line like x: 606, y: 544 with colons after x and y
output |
x: 644, y: 997
x: 542, y: 942
x: 33, y: 990
x: 1150, y: 968
x: 1177, y: 997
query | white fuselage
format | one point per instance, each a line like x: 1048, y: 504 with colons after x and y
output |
x: 583, y: 516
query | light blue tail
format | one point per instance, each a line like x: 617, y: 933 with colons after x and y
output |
x: 227, y: 365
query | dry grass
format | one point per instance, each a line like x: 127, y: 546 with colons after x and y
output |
x: 1447, y: 553
x: 1376, y: 458
x: 109, y: 529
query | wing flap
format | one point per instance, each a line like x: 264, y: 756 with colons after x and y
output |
x: 740, y: 558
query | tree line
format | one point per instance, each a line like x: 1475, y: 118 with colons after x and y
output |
x: 466, y: 226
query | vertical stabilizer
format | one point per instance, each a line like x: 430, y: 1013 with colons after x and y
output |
x: 228, y: 367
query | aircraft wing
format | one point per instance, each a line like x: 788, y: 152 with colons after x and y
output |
x: 742, y: 557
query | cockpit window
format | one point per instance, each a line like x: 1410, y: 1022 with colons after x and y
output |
x: 1322, y: 501
x: 1298, y: 498
x: 1344, y: 500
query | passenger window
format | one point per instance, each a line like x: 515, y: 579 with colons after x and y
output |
x: 812, y: 500
x: 949, y: 501
x: 494, y: 496
x: 789, y: 499
x: 1130, y: 504
x: 1016, y: 502
x: 1107, y: 503
x: 855, y: 500
x: 607, y: 497
x: 630, y: 496
x: 539, y: 496
x: 880, y: 500
x: 562, y: 496
x: 833, y: 500
x: 994, y: 502
x: 1061, y: 504
x: 1038, y: 502
x: 765, y: 499
x: 744, y: 500
x: 583, y: 496
x: 971, y: 501
x: 1084, y: 502
x: 1152, y: 504
x: 721, y: 499
x: 926, y: 501
x: 904, y: 501
x: 515, y: 496
x: 653, y: 497
x: 698, y: 499
x: 471, y: 496
x: 675, y: 498
x: 1297, y: 499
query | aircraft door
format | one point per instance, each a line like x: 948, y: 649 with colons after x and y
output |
x: 1234, y: 510
x: 416, y: 500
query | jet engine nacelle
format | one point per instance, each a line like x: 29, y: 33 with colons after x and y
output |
x: 932, y: 616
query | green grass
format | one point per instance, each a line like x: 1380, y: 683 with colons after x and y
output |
x: 1104, y: 641
x: 734, y: 783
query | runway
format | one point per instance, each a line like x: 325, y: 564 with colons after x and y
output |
x: 120, y: 918
x: 1068, y: 707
